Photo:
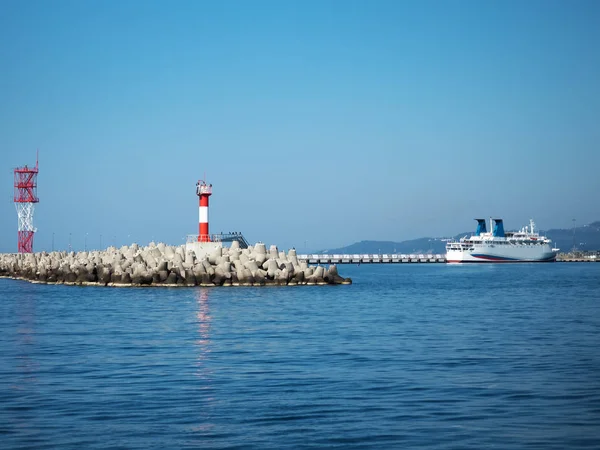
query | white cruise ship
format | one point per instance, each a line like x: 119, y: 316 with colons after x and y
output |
x: 497, y: 246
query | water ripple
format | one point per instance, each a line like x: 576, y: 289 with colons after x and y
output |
x: 426, y: 356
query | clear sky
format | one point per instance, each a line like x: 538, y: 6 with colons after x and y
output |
x: 319, y: 123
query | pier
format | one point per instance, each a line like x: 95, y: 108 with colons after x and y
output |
x: 371, y: 259
x: 577, y: 259
x: 413, y: 258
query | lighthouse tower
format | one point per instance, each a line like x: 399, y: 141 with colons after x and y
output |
x: 203, y: 191
x: 25, y: 199
x: 203, y: 245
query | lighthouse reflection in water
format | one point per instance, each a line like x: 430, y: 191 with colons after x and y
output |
x: 203, y: 342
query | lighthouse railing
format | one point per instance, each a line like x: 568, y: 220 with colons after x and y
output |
x: 203, y: 238
x: 220, y: 237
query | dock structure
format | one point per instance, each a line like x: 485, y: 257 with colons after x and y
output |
x: 577, y: 259
x: 412, y: 258
x: 371, y: 259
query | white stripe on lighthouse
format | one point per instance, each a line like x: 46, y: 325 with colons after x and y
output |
x: 203, y: 214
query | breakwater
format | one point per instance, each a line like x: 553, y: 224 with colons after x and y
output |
x: 164, y: 265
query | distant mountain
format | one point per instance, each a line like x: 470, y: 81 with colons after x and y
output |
x: 422, y: 245
x: 586, y: 237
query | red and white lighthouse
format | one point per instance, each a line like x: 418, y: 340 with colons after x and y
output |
x: 203, y: 191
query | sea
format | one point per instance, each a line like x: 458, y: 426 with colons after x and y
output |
x: 428, y: 356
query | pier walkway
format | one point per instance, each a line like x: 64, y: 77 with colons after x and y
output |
x: 371, y: 259
x: 385, y: 259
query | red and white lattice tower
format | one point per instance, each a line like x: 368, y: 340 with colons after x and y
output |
x: 203, y: 191
x: 25, y: 198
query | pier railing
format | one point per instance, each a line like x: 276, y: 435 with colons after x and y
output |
x: 371, y: 259
x: 409, y: 258
x: 219, y: 237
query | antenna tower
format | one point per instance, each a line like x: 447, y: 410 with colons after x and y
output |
x: 25, y: 197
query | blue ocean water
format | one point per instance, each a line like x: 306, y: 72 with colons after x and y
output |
x: 424, y: 356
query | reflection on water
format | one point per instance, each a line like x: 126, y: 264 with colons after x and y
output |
x: 203, y: 343
x: 25, y: 340
x: 203, y: 372
x: 26, y: 366
x: 204, y: 319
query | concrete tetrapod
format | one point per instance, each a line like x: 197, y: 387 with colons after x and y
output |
x: 164, y: 265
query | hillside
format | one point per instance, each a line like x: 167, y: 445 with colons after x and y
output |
x: 586, y: 237
x: 422, y: 245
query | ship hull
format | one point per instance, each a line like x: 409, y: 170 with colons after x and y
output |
x: 489, y: 255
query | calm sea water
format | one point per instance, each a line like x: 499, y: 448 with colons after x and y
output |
x: 427, y: 356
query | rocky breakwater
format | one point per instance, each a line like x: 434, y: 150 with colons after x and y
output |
x: 163, y: 265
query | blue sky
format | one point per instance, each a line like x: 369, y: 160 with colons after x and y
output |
x: 319, y: 123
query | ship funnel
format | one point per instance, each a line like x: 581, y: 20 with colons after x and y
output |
x: 498, y: 228
x: 480, y: 227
